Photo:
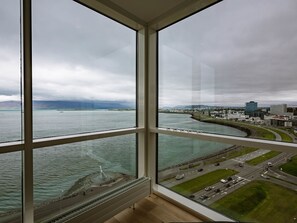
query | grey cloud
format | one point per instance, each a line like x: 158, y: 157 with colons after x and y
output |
x: 250, y: 45
x: 77, y: 53
x: 74, y: 34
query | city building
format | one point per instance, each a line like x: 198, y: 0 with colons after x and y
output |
x: 280, y: 109
x: 251, y: 108
x: 279, y: 121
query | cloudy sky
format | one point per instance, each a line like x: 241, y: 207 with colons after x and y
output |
x: 228, y: 54
x: 231, y: 53
x: 78, y: 54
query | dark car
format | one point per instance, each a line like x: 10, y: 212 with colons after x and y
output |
x: 200, y: 170
x: 218, y: 190
x: 203, y: 197
x: 217, y: 164
x: 192, y: 196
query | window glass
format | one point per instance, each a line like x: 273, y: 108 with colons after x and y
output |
x: 84, y: 75
x: 69, y: 175
x: 244, y: 183
x: 232, y: 64
x: 10, y: 73
x: 10, y: 187
x: 230, y: 70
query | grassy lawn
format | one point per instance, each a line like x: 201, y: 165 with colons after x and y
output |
x: 259, y: 132
x: 230, y: 155
x: 285, y: 136
x: 260, y: 201
x: 262, y: 158
x: 291, y: 166
x: 256, y: 132
x: 189, y: 187
x: 241, y: 152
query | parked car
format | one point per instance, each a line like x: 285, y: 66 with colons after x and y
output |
x: 218, y: 190
x: 200, y: 170
x: 217, y: 164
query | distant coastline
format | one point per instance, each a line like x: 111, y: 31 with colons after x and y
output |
x: 213, y: 121
x: 69, y: 105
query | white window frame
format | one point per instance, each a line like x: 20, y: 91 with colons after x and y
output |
x: 28, y: 144
x: 147, y: 55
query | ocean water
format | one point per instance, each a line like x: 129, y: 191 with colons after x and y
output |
x: 176, y: 150
x: 58, y: 168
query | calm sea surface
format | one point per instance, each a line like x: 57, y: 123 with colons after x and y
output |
x: 56, y: 169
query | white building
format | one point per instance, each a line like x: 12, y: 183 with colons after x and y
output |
x: 278, y: 109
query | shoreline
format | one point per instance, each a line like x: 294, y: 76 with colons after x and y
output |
x: 241, y: 128
x: 60, y: 205
x: 203, y: 158
x: 223, y: 151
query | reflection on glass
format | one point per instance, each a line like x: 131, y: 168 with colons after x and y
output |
x: 67, y: 175
x: 10, y: 188
x: 243, y: 183
x: 84, y: 75
x: 225, y: 67
x: 10, y: 100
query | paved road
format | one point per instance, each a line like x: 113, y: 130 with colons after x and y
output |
x: 246, y: 173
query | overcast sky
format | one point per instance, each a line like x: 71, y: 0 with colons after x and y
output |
x: 228, y: 54
x: 231, y: 53
x: 78, y: 54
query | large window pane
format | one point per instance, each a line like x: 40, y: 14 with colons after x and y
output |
x: 84, y: 70
x: 10, y: 187
x: 232, y: 64
x: 67, y: 175
x: 10, y: 99
x: 243, y: 183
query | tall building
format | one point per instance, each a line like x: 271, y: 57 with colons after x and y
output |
x: 280, y: 109
x: 251, y: 107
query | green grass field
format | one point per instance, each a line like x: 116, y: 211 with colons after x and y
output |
x: 231, y: 155
x: 285, y: 136
x: 260, y: 201
x: 189, y: 187
x: 291, y: 166
x: 262, y: 158
x: 256, y: 132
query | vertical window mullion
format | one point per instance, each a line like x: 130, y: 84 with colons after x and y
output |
x: 141, y: 101
x: 28, y: 207
x: 152, y: 101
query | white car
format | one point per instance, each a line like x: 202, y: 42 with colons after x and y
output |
x: 265, y: 176
x: 208, y: 188
x: 223, y: 181
x: 180, y: 176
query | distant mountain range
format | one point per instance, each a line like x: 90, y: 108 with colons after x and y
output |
x: 69, y: 105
